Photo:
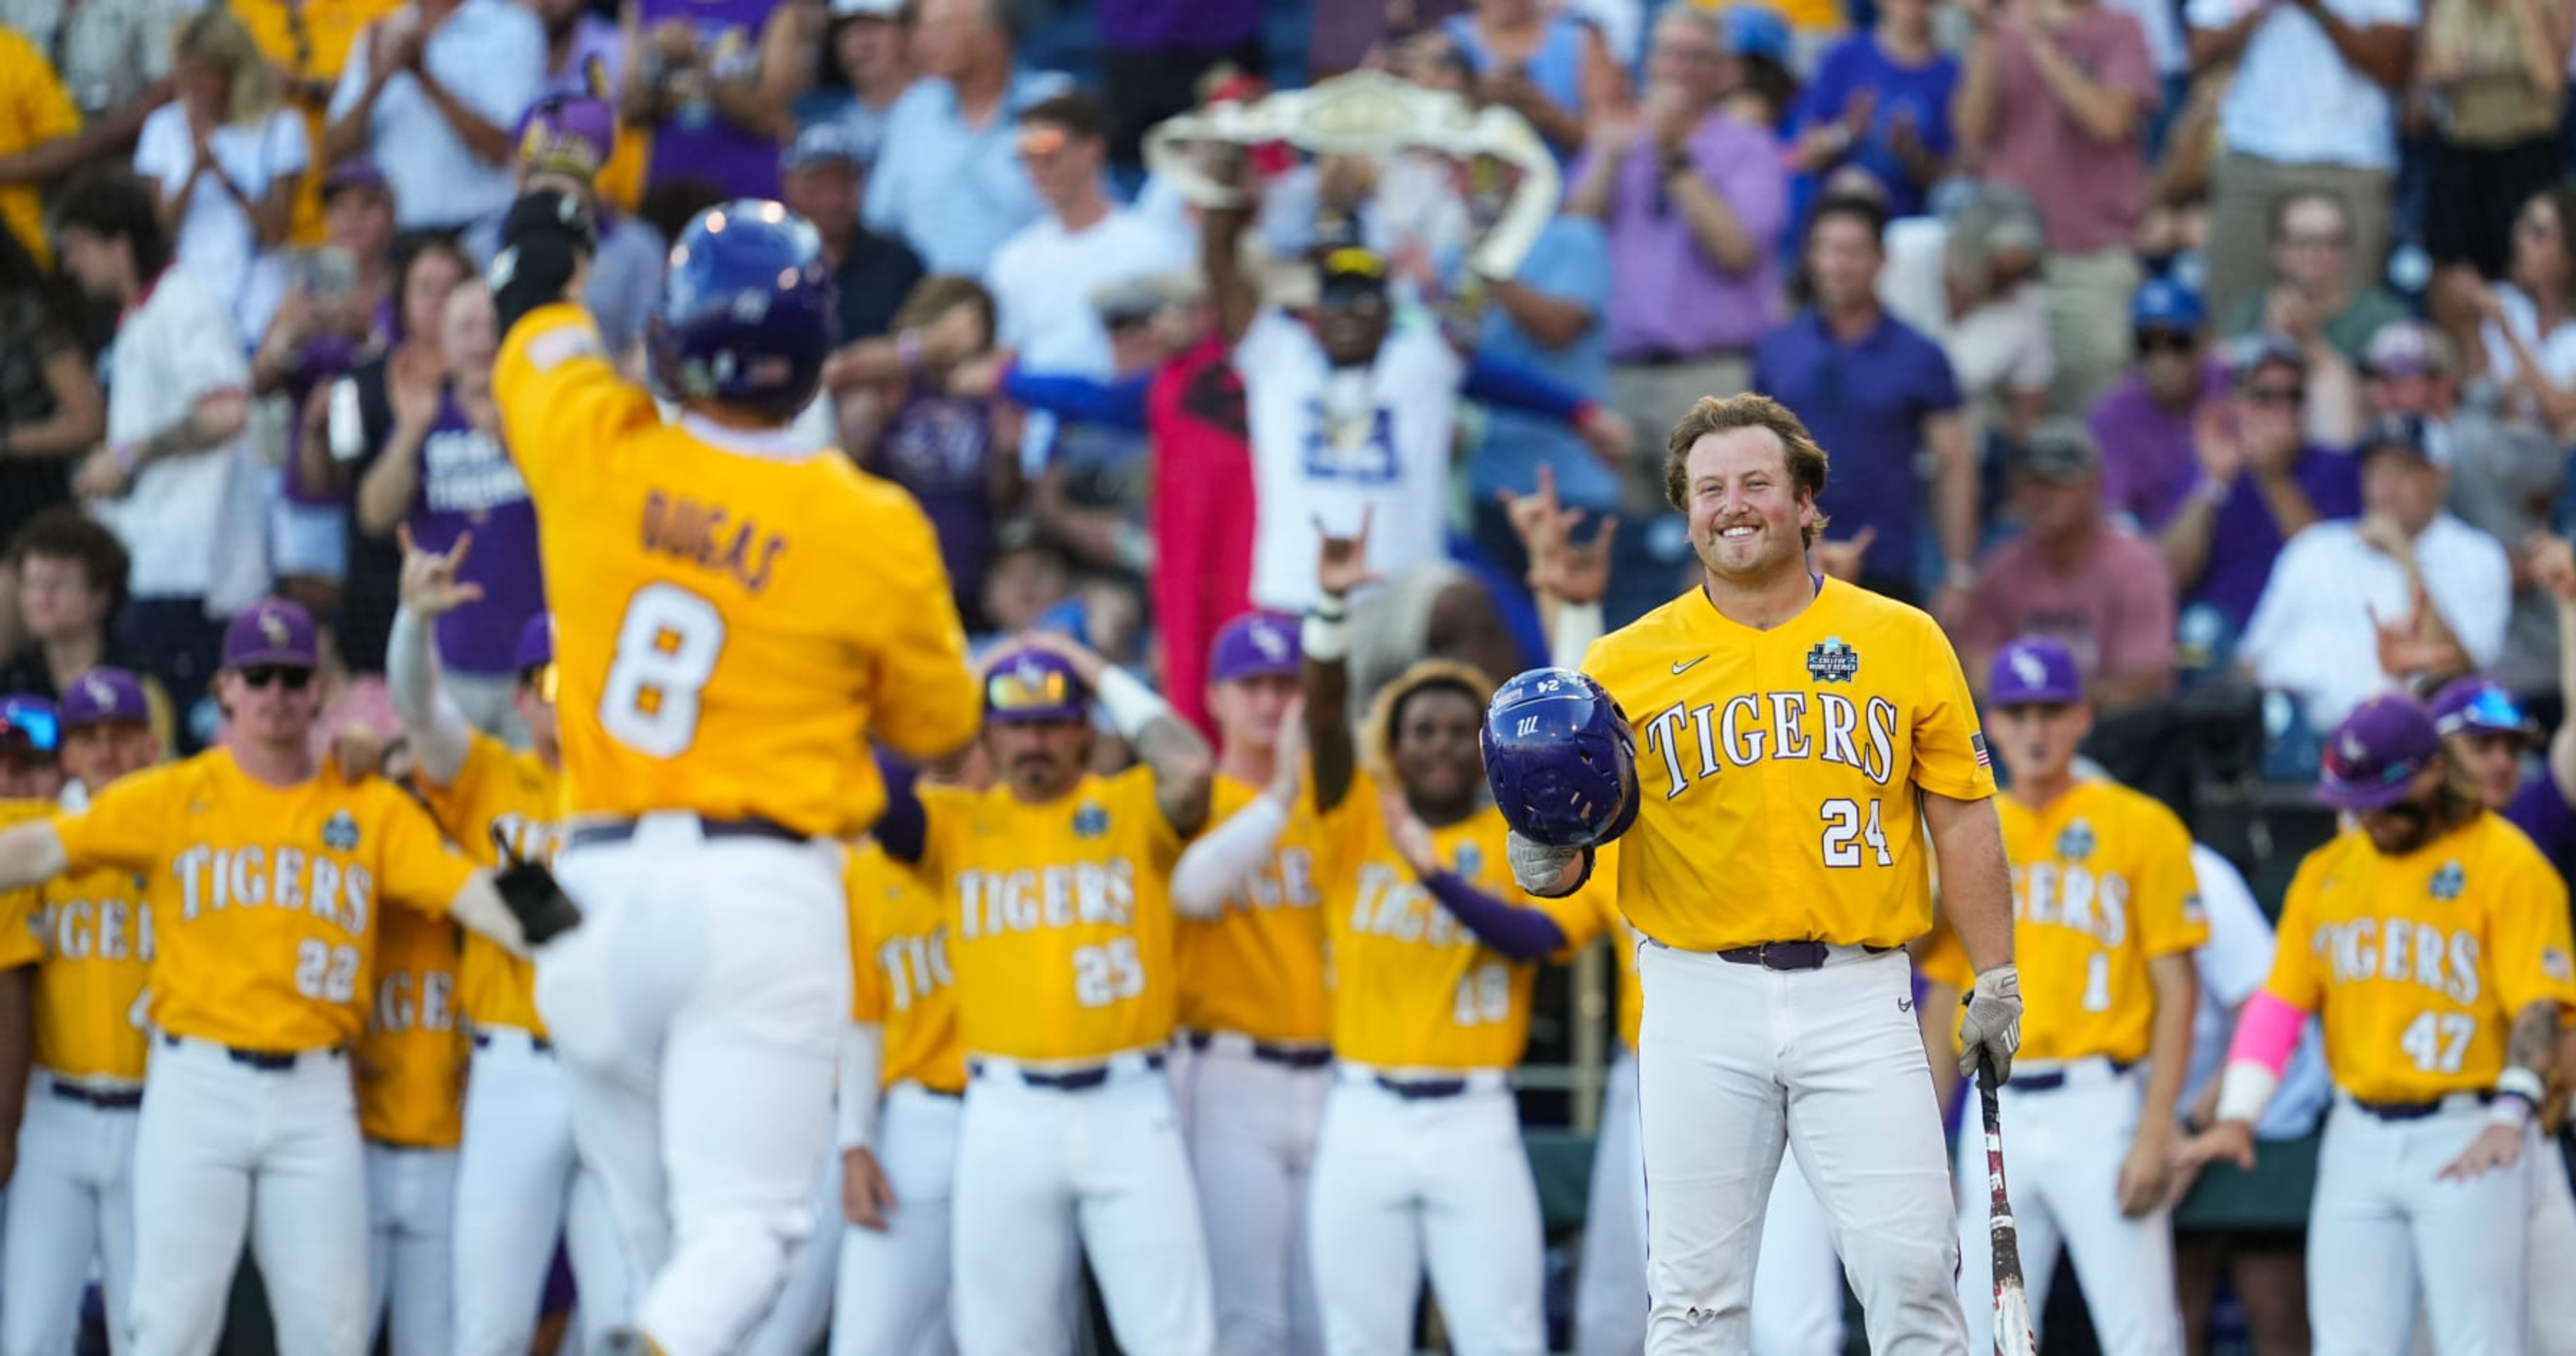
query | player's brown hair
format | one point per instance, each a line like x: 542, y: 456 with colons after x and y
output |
x: 1377, y: 734
x: 1726, y: 414
x: 941, y: 293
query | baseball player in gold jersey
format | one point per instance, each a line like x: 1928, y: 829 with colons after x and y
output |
x: 2106, y: 918
x: 267, y: 873
x: 1253, y: 999
x: 71, y: 1200
x: 411, y: 1072
x: 1796, y: 736
x: 903, y: 1084
x: 2432, y: 941
x: 1062, y: 944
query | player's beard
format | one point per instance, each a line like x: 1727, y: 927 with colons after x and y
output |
x: 2413, y: 824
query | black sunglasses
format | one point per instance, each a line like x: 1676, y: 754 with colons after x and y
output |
x: 2275, y: 395
x: 296, y: 678
x: 2165, y: 341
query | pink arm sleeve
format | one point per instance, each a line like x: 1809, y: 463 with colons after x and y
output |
x: 2266, y: 1032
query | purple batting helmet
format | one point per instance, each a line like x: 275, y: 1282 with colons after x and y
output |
x: 747, y: 315
x: 1561, y: 759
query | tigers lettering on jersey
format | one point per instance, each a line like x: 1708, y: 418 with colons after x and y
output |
x: 2418, y: 964
x: 515, y: 794
x: 1412, y: 987
x: 708, y: 655
x: 902, y: 977
x: 95, y: 932
x: 2102, y: 885
x: 264, y: 899
x: 411, y: 1060
x: 1257, y: 969
x: 1063, y: 941
x: 1780, y: 769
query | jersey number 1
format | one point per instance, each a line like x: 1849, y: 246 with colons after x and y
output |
x: 667, y: 648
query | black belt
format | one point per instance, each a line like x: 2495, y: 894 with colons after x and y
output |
x: 1788, y: 955
x: 483, y: 1041
x: 623, y: 830
x: 1069, y: 1080
x: 952, y: 1094
x: 266, y: 1061
x: 2409, y: 1111
x: 1292, y: 1056
x: 2054, y: 1079
x: 121, y: 1099
x: 1422, y: 1089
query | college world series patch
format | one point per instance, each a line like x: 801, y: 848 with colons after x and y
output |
x: 1833, y: 661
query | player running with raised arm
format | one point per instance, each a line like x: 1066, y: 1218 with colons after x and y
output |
x: 2106, y: 918
x: 268, y: 874
x: 1419, y: 1163
x: 71, y: 1200
x: 2431, y: 940
x: 736, y: 610
x: 1253, y: 1001
x: 1795, y: 736
x: 1058, y: 881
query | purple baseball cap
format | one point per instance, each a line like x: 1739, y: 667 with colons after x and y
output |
x: 536, y: 647
x: 272, y: 631
x: 105, y: 696
x: 357, y: 172
x: 2035, y: 671
x: 567, y: 134
x: 1256, y: 645
x: 1034, y: 685
x: 2481, y: 706
x: 2376, y: 751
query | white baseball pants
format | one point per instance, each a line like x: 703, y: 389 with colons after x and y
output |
x: 892, y: 1296
x: 1797, y: 1281
x: 1737, y: 1063
x: 71, y: 1200
x: 225, y: 1150
x: 796, y: 1324
x: 697, y: 1013
x: 1439, y: 1183
x: 519, y: 1188
x: 2062, y: 1153
x: 1252, y: 1126
x: 2553, y: 1252
x: 1047, y: 1176
x: 2385, y: 1232
x: 411, y: 1275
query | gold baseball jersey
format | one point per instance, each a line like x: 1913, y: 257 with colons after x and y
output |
x: 710, y: 654
x: 1258, y: 968
x: 1412, y: 987
x: 516, y: 793
x: 1779, y: 769
x: 902, y: 979
x: 264, y: 899
x: 90, y: 935
x: 1061, y: 917
x: 2417, y: 965
x: 411, y: 1061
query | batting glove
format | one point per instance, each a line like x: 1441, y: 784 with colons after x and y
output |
x: 1991, y: 1026
x: 1536, y: 867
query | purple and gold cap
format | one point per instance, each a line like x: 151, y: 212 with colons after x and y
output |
x: 2481, y: 706
x: 2035, y: 671
x: 1256, y: 645
x: 2376, y: 752
x: 536, y: 647
x: 29, y: 724
x: 567, y: 134
x: 105, y: 696
x: 1034, y: 685
x: 272, y: 631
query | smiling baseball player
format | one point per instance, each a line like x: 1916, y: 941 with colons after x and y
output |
x: 2432, y: 941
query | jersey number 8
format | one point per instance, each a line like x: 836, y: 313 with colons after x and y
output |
x: 666, y: 651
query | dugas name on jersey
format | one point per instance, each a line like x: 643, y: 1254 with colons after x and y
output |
x: 2401, y: 950
x: 2069, y: 895
x: 991, y: 903
x: 1697, y: 742
x: 253, y: 877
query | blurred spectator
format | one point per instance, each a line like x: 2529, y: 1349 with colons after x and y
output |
x: 1027, y: 578
x: 2526, y: 339
x: 717, y: 81
x: 2495, y: 73
x: 71, y: 576
x: 950, y: 181
x: 308, y: 44
x: 1347, y: 33
x: 445, y: 477
x: 2075, y: 576
x: 823, y: 179
x: 867, y: 65
x: 2259, y: 483
x: 2486, y: 731
x: 177, y: 480
x: 585, y: 55
x: 224, y: 161
x: 2311, y: 298
x: 2144, y: 426
x: 111, y: 54
x: 1881, y: 101
x: 1692, y: 201
x: 2405, y: 593
x: 50, y: 407
x: 1760, y: 88
x: 1153, y: 53
x: 30, y: 748
x: 431, y: 94
x: 2054, y: 102
x: 1545, y: 64
x: 42, y: 137
x: 2545, y: 808
x: 563, y: 143
x: 1547, y: 317
x: 1876, y: 393
x: 1971, y: 283
x: 2309, y: 108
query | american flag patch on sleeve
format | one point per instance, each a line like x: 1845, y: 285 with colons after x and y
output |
x: 1977, y: 745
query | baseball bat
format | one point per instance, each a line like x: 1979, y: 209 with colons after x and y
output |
x: 2014, y: 1335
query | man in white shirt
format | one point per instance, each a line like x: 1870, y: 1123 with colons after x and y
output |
x: 431, y: 93
x: 177, y: 480
x: 946, y: 179
x: 2355, y: 607
x: 2310, y: 108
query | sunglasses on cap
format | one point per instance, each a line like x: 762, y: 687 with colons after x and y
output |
x: 1015, y: 689
x: 42, y: 729
x: 295, y: 676
x: 2492, y: 711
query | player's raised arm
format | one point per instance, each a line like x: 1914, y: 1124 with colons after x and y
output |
x: 1220, y: 242
x: 431, y: 723
x: 1221, y: 861
x: 1341, y: 567
x: 555, y: 383
x: 1184, y: 766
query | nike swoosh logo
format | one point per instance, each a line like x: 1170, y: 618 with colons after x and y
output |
x: 1685, y: 668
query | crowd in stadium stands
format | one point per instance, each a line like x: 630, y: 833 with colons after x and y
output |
x: 2230, y: 342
